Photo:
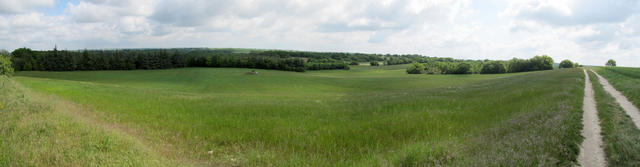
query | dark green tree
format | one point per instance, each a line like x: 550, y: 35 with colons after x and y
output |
x: 566, y: 64
x: 6, y: 67
x: 611, y: 62
x: 415, y: 68
x: 462, y: 68
x: 493, y: 67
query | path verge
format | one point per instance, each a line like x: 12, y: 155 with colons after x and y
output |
x: 628, y: 107
x: 591, y: 152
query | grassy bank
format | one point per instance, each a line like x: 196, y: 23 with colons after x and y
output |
x: 38, y: 130
x: 368, y: 116
x: 625, y: 80
x: 620, y: 136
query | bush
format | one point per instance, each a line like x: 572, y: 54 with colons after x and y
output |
x: 432, y: 68
x: 543, y: 62
x: 415, y: 68
x: 374, y: 63
x: 517, y: 65
x: 355, y: 63
x: 566, y: 64
x: 6, y: 68
x: 611, y: 62
x: 493, y: 67
x: 462, y: 68
x: 536, y: 63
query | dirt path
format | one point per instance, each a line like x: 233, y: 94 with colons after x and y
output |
x: 628, y: 107
x: 591, y: 152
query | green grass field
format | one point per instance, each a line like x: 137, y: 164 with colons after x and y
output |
x: 620, y: 136
x: 367, y: 116
x: 625, y: 80
x: 41, y: 130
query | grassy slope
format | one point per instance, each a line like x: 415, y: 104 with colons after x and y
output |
x: 621, y: 137
x: 366, y: 116
x: 38, y: 130
x: 625, y: 80
x: 545, y: 129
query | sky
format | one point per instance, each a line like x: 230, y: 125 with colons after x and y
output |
x: 585, y: 31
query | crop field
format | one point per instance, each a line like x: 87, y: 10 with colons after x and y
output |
x: 367, y: 116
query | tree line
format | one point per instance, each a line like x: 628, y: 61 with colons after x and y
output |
x: 482, y: 67
x: 25, y: 59
x: 131, y: 59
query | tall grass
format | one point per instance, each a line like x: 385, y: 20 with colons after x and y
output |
x: 369, y: 116
x: 625, y: 80
x: 40, y: 130
x: 621, y: 137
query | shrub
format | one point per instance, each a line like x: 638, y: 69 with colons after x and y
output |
x: 355, y: 63
x: 374, y: 63
x: 566, y: 64
x: 432, y: 68
x: 536, y: 63
x: 611, y: 62
x: 517, y: 65
x: 6, y: 68
x: 493, y: 67
x: 462, y: 68
x: 415, y: 68
x: 543, y: 62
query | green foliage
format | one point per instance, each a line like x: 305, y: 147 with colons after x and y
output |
x: 493, y: 67
x: 432, y: 68
x: 611, y: 62
x: 130, y: 59
x: 6, y: 67
x: 543, y: 62
x: 461, y: 68
x: 566, y: 64
x: 488, y: 67
x: 518, y: 65
x: 536, y: 63
x: 24, y: 59
x: 415, y: 68
x: 354, y: 63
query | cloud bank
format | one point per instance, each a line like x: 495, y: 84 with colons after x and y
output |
x: 586, y: 31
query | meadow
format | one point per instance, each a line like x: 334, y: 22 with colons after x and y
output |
x: 620, y: 136
x: 367, y: 116
x: 625, y: 80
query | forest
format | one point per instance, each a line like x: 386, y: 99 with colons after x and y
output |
x: 130, y: 59
x: 25, y: 59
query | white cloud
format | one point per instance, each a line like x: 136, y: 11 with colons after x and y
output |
x: 573, y: 12
x: 90, y: 12
x: 189, y: 12
x: 22, y: 6
x: 587, y: 31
